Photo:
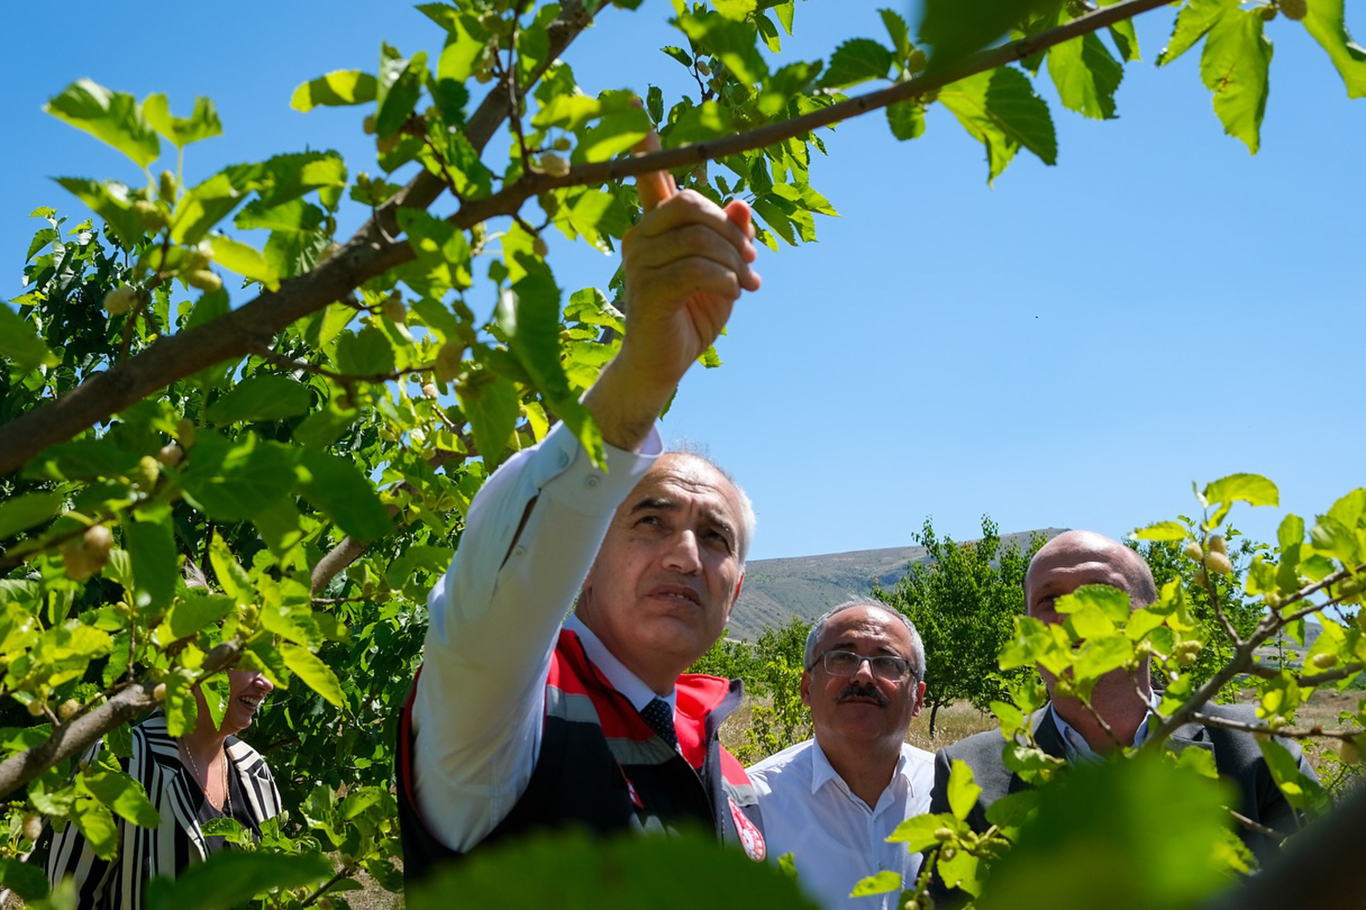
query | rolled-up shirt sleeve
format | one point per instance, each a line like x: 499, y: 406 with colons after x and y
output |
x: 493, y: 622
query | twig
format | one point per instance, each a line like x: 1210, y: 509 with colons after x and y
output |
x: 343, y: 872
x: 1314, y: 732
x: 289, y: 363
x: 76, y: 735
x: 1260, y: 828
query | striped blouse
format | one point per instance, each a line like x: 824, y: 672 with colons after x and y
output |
x: 145, y: 853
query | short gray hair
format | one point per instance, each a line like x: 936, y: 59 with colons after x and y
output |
x: 748, y: 521
x: 818, y: 628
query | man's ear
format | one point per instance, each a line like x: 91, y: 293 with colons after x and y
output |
x: 806, y: 688
x: 919, y: 699
x: 736, y: 596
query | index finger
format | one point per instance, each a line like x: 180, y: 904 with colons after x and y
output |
x: 654, y: 187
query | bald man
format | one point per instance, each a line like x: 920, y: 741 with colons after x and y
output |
x: 1065, y: 729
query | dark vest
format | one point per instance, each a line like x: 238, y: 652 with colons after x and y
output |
x: 602, y: 768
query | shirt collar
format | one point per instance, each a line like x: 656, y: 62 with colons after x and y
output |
x: 822, y: 772
x: 622, y: 679
x: 1076, y: 746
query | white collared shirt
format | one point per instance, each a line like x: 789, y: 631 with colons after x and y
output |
x: 835, y: 838
x: 1079, y: 750
x: 622, y: 679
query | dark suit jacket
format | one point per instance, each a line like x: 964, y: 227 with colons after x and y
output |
x: 1236, y: 755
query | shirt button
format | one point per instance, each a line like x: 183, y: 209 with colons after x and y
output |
x: 592, y: 481
x: 519, y: 551
x: 564, y: 459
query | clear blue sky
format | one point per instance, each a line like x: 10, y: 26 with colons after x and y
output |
x: 1069, y: 348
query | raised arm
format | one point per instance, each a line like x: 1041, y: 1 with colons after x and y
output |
x: 532, y: 533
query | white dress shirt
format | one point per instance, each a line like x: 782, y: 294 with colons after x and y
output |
x: 835, y: 838
x: 493, y: 622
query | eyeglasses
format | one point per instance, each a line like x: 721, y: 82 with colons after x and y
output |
x: 847, y: 663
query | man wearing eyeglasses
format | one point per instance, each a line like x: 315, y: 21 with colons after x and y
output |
x: 832, y: 801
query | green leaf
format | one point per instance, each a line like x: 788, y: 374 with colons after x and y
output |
x: 365, y: 353
x: 261, y: 397
x: 954, y: 35
x: 1162, y: 530
x: 1124, y: 35
x: 340, y: 87
x: 1253, y: 489
x: 918, y: 831
x: 25, y: 879
x: 1100, y: 656
x: 337, y: 487
x: 1290, y: 532
x: 906, y: 119
x: 1091, y: 823
x: 317, y: 675
x: 491, y: 404
x: 857, y: 60
x: 1000, y: 109
x: 231, y: 878
x: 96, y: 823
x: 898, y: 32
x: 111, y: 117
x: 529, y: 315
x: 237, y: 479
x: 735, y: 9
x: 400, y: 85
x: 197, y: 609
x: 962, y: 791
x: 443, y: 253
x: 733, y: 43
x: 201, y: 124
x: 23, y: 512
x: 151, y: 546
x: 1331, y: 537
x: 577, y: 871
x: 465, y: 43
x: 1086, y: 76
x: 245, y: 261
x: 124, y: 795
x: 1325, y: 23
x: 613, y: 134
x: 109, y: 200
x: 878, y: 883
x: 1234, y: 66
x: 20, y: 342
x: 1195, y: 19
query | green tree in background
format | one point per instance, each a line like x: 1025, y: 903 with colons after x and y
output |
x: 963, y: 600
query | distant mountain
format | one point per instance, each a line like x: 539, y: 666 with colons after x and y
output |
x: 778, y: 589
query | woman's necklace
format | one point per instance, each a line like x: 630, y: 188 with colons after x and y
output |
x: 227, y: 789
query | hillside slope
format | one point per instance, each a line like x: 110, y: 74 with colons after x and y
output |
x: 775, y: 590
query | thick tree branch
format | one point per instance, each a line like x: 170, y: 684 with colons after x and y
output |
x: 370, y: 252
x: 74, y: 737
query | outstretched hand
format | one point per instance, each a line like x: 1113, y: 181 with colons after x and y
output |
x: 686, y: 263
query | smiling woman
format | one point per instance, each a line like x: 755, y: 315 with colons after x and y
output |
x: 192, y: 780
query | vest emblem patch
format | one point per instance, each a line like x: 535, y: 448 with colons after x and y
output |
x: 750, y: 838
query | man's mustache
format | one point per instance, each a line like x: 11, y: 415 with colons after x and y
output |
x: 860, y: 690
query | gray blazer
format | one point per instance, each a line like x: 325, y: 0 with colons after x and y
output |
x: 1236, y: 755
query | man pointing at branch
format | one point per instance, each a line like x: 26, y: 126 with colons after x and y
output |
x: 521, y: 719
